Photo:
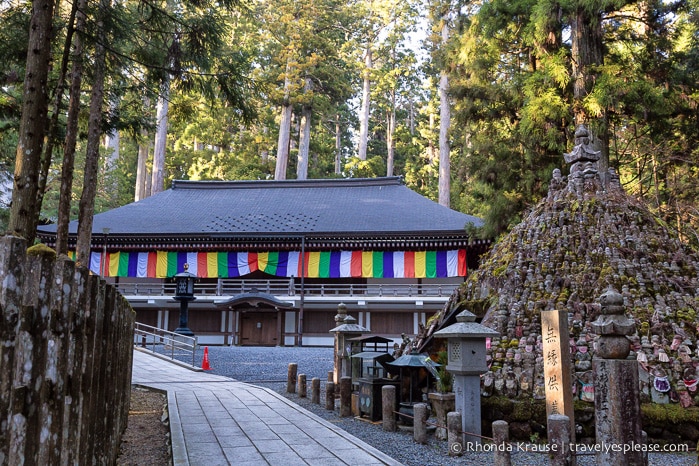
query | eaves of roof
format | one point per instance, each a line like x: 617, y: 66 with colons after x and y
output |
x: 318, y: 214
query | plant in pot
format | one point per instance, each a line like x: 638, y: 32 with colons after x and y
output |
x: 442, y: 399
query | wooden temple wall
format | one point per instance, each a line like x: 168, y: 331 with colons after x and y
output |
x: 66, y: 348
x: 269, y: 328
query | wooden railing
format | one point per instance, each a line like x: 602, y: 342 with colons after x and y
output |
x: 228, y: 287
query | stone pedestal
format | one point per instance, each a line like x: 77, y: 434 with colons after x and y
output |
x: 617, y: 410
x: 617, y: 392
x: 442, y: 403
x: 467, y: 389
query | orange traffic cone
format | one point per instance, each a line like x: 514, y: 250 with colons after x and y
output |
x: 205, y: 362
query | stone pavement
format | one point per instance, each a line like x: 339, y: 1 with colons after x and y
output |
x: 216, y: 420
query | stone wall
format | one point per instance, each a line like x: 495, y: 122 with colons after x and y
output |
x: 665, y: 424
x: 65, y: 358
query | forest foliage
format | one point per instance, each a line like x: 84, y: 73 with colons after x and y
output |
x: 230, y: 69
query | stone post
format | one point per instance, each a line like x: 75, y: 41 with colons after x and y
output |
x: 331, y: 376
x: 466, y: 352
x: 557, y: 371
x: 330, y: 396
x: 454, y: 438
x: 303, y: 389
x: 338, y: 356
x: 345, y: 396
x: 420, y: 423
x: 559, y: 440
x: 388, y: 406
x: 291, y: 378
x: 617, y: 398
x: 315, y: 390
x: 501, y: 438
x: 12, y: 258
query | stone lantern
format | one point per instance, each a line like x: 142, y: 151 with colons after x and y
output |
x: 184, y: 293
x: 346, y: 329
x: 466, y: 351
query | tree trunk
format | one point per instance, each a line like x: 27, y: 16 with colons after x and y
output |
x: 390, y: 131
x: 141, y: 167
x: 52, y: 132
x: 587, y: 53
x: 92, y: 152
x: 67, y: 169
x: 304, y: 143
x: 304, y: 136
x: 431, y: 149
x: 411, y: 116
x: 284, y: 132
x: 142, y: 162
x: 444, y: 124
x: 283, y: 143
x: 32, y: 126
x: 338, y: 146
x: 264, y: 153
x: 364, y: 111
x: 158, y: 175
x: 111, y: 143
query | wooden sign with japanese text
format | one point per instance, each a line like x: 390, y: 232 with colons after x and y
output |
x: 557, y: 370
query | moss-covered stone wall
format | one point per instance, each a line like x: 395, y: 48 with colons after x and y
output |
x: 664, y: 424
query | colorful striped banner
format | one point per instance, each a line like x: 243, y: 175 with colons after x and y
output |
x: 315, y: 264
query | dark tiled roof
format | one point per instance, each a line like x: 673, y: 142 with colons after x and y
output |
x: 381, y: 206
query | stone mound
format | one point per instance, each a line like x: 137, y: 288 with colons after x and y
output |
x: 587, y: 236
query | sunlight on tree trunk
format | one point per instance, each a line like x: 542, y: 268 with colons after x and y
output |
x: 158, y: 175
x: 338, y: 146
x: 304, y: 143
x: 390, y: 130
x: 283, y: 143
x: 284, y: 132
x: 304, y: 136
x: 364, y: 112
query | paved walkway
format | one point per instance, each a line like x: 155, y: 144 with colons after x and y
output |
x: 216, y: 420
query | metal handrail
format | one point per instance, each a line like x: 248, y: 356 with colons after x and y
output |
x: 164, y: 342
x: 227, y: 287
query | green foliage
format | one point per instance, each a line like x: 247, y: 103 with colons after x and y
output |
x: 445, y: 379
x: 511, y: 91
x: 513, y: 105
x: 370, y: 168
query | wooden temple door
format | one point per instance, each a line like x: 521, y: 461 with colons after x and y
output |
x: 258, y: 328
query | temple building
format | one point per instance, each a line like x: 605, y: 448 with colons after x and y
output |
x: 275, y: 258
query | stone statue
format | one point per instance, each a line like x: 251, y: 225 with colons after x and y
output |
x: 584, y: 149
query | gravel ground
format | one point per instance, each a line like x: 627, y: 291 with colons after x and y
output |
x: 268, y: 367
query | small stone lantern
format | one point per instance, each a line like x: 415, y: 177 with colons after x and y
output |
x: 347, y: 328
x: 466, y: 353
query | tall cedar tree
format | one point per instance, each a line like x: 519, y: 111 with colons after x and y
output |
x: 33, y: 124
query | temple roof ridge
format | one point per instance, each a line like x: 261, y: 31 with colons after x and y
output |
x: 308, y: 183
